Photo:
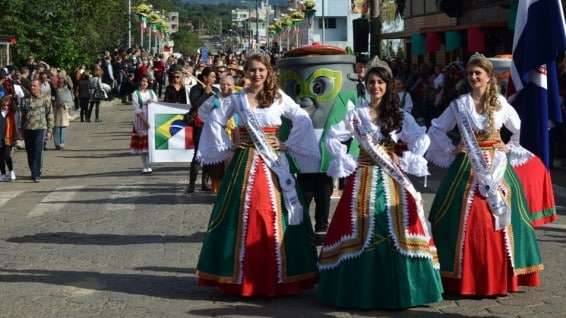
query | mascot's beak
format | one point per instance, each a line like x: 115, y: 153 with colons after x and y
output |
x: 307, y: 102
x: 308, y: 105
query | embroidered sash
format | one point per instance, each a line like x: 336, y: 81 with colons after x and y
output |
x: 364, y: 136
x: 277, y: 162
x: 488, y: 179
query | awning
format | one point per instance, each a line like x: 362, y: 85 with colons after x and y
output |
x: 433, y: 42
x: 476, y: 40
x: 463, y: 27
x: 452, y: 40
x: 418, y: 44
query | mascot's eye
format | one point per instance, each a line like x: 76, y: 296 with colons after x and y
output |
x: 293, y: 88
x: 297, y: 89
x: 321, y: 85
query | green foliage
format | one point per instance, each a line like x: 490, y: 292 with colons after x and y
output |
x: 186, y: 42
x: 207, y: 17
x: 64, y: 33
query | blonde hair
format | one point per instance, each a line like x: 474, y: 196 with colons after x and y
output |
x: 491, y: 102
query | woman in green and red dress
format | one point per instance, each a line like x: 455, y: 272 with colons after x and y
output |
x: 482, y: 250
x: 254, y: 246
x: 378, y: 251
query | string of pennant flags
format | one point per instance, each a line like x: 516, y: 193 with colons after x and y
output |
x: 293, y: 19
x: 152, y: 20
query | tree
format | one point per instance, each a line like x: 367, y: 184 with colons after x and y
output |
x: 63, y: 33
x: 186, y: 42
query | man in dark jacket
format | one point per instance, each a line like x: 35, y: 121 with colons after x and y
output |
x: 198, y: 95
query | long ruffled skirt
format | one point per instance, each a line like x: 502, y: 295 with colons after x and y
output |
x: 537, y: 185
x: 250, y: 249
x: 476, y: 259
x: 378, y: 252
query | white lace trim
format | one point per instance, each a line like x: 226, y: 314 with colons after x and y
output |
x: 440, y: 157
x: 217, y: 156
x: 354, y: 221
x: 277, y: 220
x: 414, y: 164
x: 467, y: 208
x: 245, y: 214
x: 508, y: 247
x: 342, y: 166
x: 371, y: 208
x: 405, y: 216
x: 518, y: 155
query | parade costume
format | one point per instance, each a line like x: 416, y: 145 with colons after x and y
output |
x: 317, y: 77
x: 480, y: 217
x: 378, y: 252
x: 215, y: 171
x: 140, y: 101
x: 259, y: 240
x: 537, y: 185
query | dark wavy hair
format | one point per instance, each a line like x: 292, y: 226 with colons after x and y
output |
x: 390, y: 116
x: 270, y: 90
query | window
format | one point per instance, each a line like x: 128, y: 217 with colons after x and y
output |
x: 418, y: 7
x: 421, y: 7
x: 329, y: 23
x: 430, y: 7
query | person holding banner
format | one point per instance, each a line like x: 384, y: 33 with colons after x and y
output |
x: 141, y: 98
x: 198, y: 95
x: 480, y: 218
x: 259, y: 241
x: 378, y: 251
x: 216, y: 171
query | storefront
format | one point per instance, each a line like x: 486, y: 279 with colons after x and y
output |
x: 6, y: 49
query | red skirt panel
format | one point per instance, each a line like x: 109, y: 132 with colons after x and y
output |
x: 138, y: 144
x: 486, y: 268
x: 539, y: 193
x: 260, y: 270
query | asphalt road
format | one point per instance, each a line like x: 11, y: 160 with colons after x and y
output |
x: 95, y: 238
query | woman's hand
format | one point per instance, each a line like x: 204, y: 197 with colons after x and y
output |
x: 395, y: 158
x: 276, y: 144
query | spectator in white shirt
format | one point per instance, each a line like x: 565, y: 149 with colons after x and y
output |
x: 405, y: 100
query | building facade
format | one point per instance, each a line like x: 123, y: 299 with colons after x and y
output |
x: 173, y: 18
x: 337, y: 27
x: 432, y: 36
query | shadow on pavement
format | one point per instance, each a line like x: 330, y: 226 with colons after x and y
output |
x: 88, y: 150
x: 130, y: 172
x: 172, y: 287
x: 166, y: 269
x: 286, y: 307
x: 104, y: 239
x: 110, y: 155
x: 145, y: 187
x: 149, y: 199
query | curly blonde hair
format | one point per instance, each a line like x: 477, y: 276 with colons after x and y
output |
x: 270, y: 91
x: 491, y: 102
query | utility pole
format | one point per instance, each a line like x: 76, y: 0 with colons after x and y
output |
x: 375, y: 27
x: 323, y: 23
x: 249, y: 25
x: 257, y: 23
x: 141, y: 35
x: 129, y: 23
x: 267, y: 13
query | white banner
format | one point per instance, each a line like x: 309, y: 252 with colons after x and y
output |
x: 169, y: 137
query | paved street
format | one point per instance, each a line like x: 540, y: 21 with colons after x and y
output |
x: 97, y: 239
